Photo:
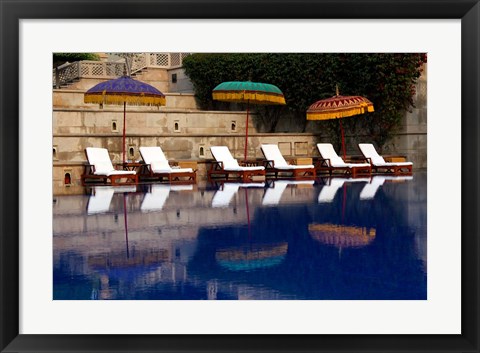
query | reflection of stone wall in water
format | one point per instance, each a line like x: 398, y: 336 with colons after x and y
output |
x: 186, y: 133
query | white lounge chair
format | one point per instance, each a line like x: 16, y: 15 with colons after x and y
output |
x: 379, y: 164
x: 224, y: 195
x: 226, y: 165
x: 100, y: 167
x: 157, y: 166
x: 370, y: 189
x: 330, y: 161
x: 274, y: 194
x: 276, y: 163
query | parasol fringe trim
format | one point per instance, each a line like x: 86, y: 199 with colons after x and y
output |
x: 338, y: 114
x: 254, y: 97
x: 120, y: 99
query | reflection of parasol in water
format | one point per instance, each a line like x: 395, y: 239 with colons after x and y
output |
x: 341, y: 236
x: 249, y: 256
x: 252, y: 257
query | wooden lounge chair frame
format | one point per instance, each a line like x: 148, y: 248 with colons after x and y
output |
x: 391, y: 169
x: 216, y: 168
x: 323, y: 165
x: 297, y: 173
x: 172, y: 177
x: 89, y: 173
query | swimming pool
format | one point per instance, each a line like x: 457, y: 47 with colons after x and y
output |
x: 328, y: 239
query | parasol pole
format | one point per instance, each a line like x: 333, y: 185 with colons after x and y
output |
x: 343, y: 138
x: 248, y: 212
x: 124, y: 127
x: 125, y: 221
x: 246, y: 135
x: 337, y: 92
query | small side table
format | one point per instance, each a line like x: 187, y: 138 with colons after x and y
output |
x: 303, y: 161
x: 132, y: 166
x: 395, y: 159
x: 188, y: 164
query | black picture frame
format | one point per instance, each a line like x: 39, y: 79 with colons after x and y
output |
x: 468, y: 11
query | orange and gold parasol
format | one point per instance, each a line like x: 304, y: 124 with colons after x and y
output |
x: 339, y: 107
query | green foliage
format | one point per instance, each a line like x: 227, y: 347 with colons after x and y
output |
x: 60, y: 58
x: 387, y: 79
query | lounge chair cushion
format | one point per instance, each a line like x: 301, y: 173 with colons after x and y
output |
x: 119, y: 172
x: 99, y: 158
x: 272, y: 153
x: 159, y: 166
x: 151, y: 154
x: 103, y: 168
x: 369, y: 151
x: 328, y: 152
x: 222, y: 154
x: 155, y: 157
x: 293, y: 166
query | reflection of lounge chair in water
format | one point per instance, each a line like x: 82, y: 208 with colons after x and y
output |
x: 274, y: 194
x: 158, y: 195
x: 227, y: 191
x: 99, y: 201
x: 328, y: 192
x: 369, y: 190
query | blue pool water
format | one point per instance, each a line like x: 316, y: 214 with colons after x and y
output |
x: 335, y: 239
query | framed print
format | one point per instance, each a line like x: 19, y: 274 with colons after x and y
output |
x: 315, y: 290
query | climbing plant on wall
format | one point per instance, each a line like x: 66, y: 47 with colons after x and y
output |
x: 60, y: 58
x: 387, y: 79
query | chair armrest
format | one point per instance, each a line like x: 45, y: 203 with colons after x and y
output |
x: 89, y: 167
x: 146, y: 168
x: 323, y: 162
x: 216, y: 165
x: 268, y: 164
